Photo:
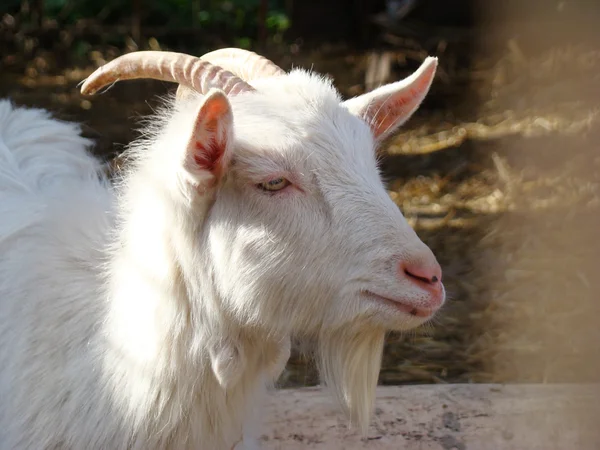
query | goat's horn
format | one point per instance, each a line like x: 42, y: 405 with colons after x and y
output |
x: 184, y: 69
x: 245, y: 64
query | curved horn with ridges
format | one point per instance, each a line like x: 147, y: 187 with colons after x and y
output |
x: 245, y: 64
x: 186, y: 70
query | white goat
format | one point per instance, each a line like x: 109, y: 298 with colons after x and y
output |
x: 153, y: 313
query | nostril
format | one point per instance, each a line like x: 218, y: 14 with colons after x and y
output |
x: 433, y: 279
x: 425, y: 273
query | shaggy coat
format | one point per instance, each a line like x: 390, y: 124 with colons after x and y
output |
x: 154, y: 311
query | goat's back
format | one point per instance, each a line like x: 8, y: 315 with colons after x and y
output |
x: 38, y: 152
x: 54, y: 217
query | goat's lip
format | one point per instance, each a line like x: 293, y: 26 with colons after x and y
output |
x: 404, y: 307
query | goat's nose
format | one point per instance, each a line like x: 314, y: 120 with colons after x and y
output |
x: 425, y: 271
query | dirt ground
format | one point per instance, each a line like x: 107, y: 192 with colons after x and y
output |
x: 441, y: 417
x: 498, y: 172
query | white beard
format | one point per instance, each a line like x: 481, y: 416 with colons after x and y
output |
x: 349, y: 362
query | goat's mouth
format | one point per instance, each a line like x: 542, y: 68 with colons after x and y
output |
x: 402, y: 306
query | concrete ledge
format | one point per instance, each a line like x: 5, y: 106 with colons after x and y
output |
x: 469, y: 416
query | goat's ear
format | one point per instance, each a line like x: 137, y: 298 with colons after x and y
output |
x: 386, y: 108
x: 208, y: 149
x: 228, y: 362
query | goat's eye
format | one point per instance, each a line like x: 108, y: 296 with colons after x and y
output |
x: 276, y: 184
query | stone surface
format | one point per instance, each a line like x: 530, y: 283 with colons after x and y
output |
x: 443, y: 417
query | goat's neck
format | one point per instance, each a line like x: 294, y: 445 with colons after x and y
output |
x: 161, y: 330
x: 150, y: 310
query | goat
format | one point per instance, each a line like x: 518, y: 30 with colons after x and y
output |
x: 153, y: 311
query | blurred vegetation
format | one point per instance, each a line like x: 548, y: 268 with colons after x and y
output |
x: 243, y: 23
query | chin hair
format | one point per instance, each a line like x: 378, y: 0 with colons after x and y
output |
x: 349, y: 361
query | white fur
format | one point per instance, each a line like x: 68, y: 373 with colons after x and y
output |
x: 152, y: 315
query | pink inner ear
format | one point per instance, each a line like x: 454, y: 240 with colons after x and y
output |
x: 209, y: 155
